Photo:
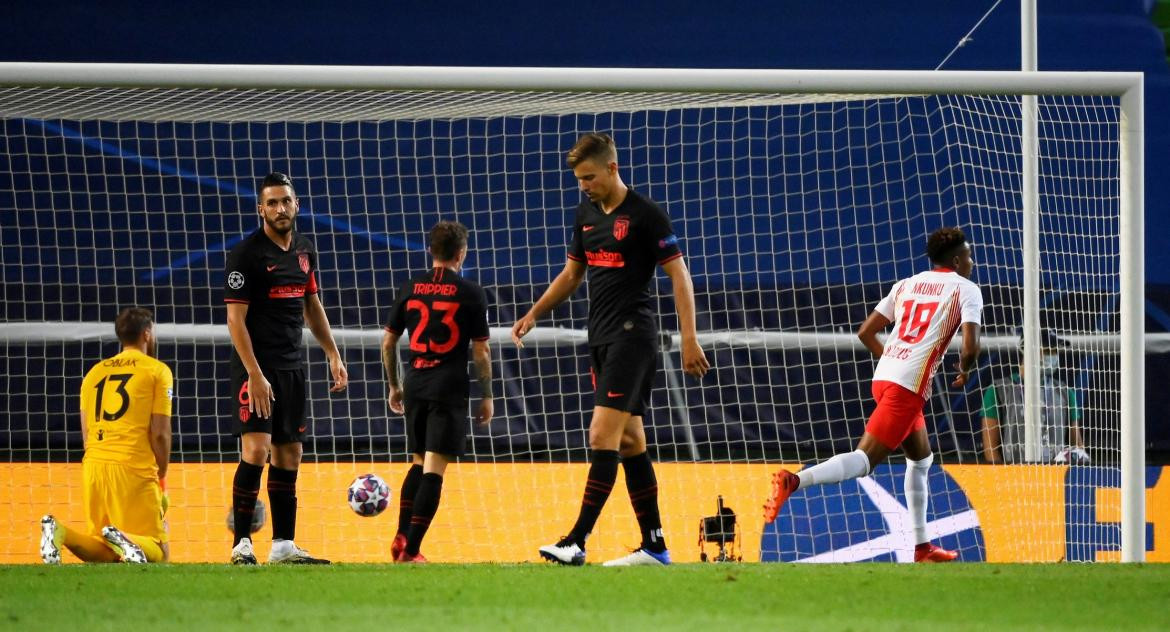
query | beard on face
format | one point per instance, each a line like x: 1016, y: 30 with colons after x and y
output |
x: 272, y: 223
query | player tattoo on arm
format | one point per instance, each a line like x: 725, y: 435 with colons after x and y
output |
x: 483, y: 369
x: 482, y: 355
x: 390, y: 363
x: 390, y: 359
x: 485, y: 381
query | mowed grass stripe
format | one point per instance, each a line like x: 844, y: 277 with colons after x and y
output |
x: 530, y: 596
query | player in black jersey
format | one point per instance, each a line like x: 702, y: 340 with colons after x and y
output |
x: 271, y: 292
x: 620, y: 237
x: 443, y: 313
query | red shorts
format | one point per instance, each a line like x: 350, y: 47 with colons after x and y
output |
x: 898, y: 413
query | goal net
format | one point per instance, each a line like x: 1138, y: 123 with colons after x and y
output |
x: 796, y: 210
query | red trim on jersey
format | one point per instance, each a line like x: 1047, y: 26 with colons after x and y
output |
x: 942, y: 269
x: 482, y: 339
x: 311, y: 287
x: 670, y: 258
x: 574, y: 258
x: 236, y: 300
x: 950, y: 325
x: 396, y: 333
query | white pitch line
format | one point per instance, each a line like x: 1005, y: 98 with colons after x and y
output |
x: 897, y: 517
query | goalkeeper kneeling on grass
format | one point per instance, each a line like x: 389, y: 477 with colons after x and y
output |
x: 126, y: 429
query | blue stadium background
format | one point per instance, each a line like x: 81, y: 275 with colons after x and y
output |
x: 1079, y: 35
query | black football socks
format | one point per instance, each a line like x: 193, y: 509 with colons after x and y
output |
x: 603, y: 469
x: 406, y: 496
x: 643, y: 488
x: 426, y: 503
x: 282, y: 496
x: 245, y: 488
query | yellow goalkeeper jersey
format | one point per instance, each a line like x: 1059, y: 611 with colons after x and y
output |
x: 118, y: 396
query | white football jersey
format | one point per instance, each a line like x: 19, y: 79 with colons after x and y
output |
x: 926, y: 310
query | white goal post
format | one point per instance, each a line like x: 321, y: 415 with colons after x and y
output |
x: 229, y: 94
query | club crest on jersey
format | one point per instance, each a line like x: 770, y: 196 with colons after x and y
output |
x: 621, y: 228
x: 303, y: 259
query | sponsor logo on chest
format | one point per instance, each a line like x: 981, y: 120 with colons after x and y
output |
x: 605, y: 259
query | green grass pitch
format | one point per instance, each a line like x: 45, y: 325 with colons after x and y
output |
x: 531, y: 596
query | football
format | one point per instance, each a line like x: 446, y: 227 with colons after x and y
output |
x: 369, y: 495
x: 257, y: 517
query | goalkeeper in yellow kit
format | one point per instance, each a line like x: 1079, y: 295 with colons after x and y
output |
x: 126, y: 426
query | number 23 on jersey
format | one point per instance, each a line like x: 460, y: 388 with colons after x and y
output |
x: 423, y: 338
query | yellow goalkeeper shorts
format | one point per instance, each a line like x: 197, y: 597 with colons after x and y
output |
x: 124, y: 497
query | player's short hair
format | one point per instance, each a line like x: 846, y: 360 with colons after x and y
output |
x: 447, y: 239
x: 943, y: 244
x: 596, y: 147
x: 131, y: 322
x: 276, y: 179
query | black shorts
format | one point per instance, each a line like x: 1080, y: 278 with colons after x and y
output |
x: 433, y: 426
x: 623, y: 374
x: 287, y: 423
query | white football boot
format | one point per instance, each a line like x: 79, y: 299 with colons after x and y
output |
x: 129, y: 551
x: 52, y: 535
x: 642, y: 557
x: 287, y: 552
x: 565, y: 552
x: 242, y: 554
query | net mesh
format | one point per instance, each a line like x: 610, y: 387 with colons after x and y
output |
x: 795, y: 213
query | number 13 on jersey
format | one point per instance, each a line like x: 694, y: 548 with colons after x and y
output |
x: 99, y: 413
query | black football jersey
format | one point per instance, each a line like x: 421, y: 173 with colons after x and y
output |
x: 443, y: 313
x: 621, y: 250
x: 274, y: 284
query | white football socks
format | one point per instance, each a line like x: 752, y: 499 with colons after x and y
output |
x: 917, y: 493
x: 841, y: 467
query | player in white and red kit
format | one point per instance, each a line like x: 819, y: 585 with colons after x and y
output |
x: 926, y: 310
